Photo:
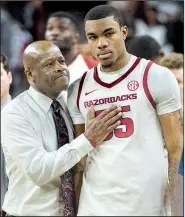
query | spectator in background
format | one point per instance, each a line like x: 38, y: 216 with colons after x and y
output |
x: 171, y: 14
x: 21, y: 37
x: 33, y: 14
x: 175, y: 62
x: 145, y: 47
x: 151, y: 26
x: 62, y: 30
x: 6, y: 80
x: 6, y: 24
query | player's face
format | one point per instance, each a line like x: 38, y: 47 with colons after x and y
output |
x: 105, y: 39
x: 61, y: 32
x: 6, y: 80
x: 50, y: 73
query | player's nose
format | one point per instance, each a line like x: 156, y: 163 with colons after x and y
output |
x: 102, y: 43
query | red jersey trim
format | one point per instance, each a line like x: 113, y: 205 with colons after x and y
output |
x: 110, y: 85
x: 145, y: 85
x: 80, y: 89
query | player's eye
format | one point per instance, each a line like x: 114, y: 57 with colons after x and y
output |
x: 109, y: 34
x: 93, y: 37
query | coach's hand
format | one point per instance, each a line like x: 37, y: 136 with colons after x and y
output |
x: 98, y: 128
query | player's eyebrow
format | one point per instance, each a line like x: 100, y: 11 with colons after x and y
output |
x: 105, y: 31
x: 108, y: 29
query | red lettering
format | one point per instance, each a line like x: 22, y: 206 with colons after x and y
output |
x: 118, y: 98
x: 101, y: 101
x: 112, y: 99
x: 107, y: 100
x: 86, y: 104
x: 95, y: 102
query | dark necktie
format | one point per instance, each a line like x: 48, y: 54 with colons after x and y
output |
x: 67, y: 181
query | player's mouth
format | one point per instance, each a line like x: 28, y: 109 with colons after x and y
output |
x: 104, y: 55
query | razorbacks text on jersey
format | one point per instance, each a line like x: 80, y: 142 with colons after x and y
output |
x: 127, y: 174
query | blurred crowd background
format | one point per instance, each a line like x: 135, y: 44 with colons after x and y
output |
x: 23, y: 22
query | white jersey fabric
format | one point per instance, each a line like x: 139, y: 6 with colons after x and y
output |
x: 127, y: 174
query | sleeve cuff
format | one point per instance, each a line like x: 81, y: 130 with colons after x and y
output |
x: 82, y: 145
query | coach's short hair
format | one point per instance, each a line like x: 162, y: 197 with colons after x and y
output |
x: 173, y: 61
x: 103, y: 11
x: 4, y: 61
x: 144, y: 46
x: 63, y: 14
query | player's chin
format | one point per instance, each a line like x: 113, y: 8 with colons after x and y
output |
x: 106, y: 63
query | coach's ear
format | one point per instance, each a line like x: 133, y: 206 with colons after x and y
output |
x: 124, y: 30
x: 28, y: 74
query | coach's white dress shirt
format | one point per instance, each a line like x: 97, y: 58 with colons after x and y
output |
x: 34, y: 164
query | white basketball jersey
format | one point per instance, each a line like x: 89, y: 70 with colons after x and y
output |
x: 127, y: 174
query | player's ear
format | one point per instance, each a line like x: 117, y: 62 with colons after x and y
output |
x: 124, y: 30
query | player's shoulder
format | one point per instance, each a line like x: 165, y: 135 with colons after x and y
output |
x: 155, y: 69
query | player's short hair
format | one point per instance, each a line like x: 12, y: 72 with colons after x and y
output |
x: 63, y: 14
x: 144, y: 46
x: 173, y: 61
x: 103, y: 11
x: 4, y: 61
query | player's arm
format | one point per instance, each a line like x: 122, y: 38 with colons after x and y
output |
x: 171, y: 124
x: 166, y: 94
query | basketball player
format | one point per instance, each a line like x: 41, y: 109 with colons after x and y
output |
x: 127, y: 175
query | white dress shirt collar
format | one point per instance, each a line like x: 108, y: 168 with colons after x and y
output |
x: 42, y: 100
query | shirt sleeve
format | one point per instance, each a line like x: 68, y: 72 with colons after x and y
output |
x: 74, y: 111
x: 24, y: 145
x: 164, y: 89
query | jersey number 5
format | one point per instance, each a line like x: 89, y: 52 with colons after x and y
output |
x: 126, y: 128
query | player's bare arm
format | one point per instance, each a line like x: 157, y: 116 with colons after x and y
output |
x: 172, y: 127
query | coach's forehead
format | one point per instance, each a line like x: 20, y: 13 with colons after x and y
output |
x: 38, y: 50
x: 100, y: 25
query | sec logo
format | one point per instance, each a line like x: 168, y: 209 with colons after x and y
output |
x: 133, y: 85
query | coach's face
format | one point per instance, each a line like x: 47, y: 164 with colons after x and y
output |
x: 105, y: 39
x: 49, y: 73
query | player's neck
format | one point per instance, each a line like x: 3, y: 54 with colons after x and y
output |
x: 122, y: 61
x: 70, y: 55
